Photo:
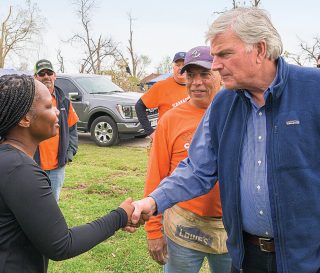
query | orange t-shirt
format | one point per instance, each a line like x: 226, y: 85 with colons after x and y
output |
x: 49, y: 148
x: 170, y: 145
x: 164, y: 95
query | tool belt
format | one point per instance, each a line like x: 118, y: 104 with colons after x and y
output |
x: 205, y: 234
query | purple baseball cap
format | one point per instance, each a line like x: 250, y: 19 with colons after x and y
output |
x: 200, y: 56
x: 179, y: 56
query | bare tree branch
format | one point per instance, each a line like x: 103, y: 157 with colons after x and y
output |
x: 61, y: 61
x: 308, y: 54
x: 17, y: 29
x: 138, y: 63
x: 95, y: 50
x: 293, y: 57
x: 255, y: 3
x: 311, y: 51
x: 165, y: 65
x: 130, y: 48
x: 236, y: 4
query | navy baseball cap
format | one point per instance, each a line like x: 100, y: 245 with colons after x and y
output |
x: 200, y: 56
x: 179, y: 56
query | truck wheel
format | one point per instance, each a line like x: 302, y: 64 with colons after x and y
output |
x: 104, y: 131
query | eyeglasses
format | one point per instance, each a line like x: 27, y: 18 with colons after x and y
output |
x: 203, y: 75
x: 43, y: 73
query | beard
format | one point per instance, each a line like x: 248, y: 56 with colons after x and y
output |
x: 49, y: 84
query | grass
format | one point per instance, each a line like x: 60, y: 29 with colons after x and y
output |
x: 96, y: 182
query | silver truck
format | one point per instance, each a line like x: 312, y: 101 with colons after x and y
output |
x: 104, y: 109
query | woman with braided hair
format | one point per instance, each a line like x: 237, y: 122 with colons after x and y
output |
x: 32, y: 227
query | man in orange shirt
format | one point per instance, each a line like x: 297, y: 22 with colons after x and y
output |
x: 53, y: 153
x: 193, y: 229
x: 164, y: 94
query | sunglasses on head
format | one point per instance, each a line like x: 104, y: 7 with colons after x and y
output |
x: 43, y: 73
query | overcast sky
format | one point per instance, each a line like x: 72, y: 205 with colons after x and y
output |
x: 161, y: 28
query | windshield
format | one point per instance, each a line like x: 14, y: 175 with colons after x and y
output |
x: 98, y: 85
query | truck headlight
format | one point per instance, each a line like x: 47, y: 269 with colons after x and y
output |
x: 127, y: 111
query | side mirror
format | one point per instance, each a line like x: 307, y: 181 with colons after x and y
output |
x: 75, y: 96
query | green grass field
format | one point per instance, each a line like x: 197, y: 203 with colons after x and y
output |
x: 96, y: 182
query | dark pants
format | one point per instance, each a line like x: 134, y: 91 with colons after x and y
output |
x: 257, y: 261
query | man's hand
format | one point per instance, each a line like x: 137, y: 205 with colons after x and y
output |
x: 143, y: 209
x: 158, y: 250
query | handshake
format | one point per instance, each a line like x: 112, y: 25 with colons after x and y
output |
x: 138, y: 212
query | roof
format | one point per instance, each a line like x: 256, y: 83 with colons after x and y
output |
x: 159, y: 78
x: 149, y: 77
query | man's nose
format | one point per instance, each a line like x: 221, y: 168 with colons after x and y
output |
x: 216, y: 65
x: 197, y: 79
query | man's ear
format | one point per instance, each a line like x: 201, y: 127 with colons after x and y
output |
x: 261, y: 51
x: 25, y: 121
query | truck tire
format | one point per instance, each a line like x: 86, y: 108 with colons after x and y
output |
x: 104, y: 132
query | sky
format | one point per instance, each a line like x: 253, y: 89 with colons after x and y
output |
x: 160, y: 29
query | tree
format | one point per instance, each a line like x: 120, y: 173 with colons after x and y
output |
x: 309, y: 52
x: 236, y: 4
x: 138, y: 63
x: 127, y: 72
x: 134, y: 57
x: 18, y: 28
x: 120, y: 76
x: 95, y: 50
x: 60, y: 61
x: 164, y: 66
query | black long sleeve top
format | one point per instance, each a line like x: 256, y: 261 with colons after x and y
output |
x: 32, y: 227
x: 142, y: 117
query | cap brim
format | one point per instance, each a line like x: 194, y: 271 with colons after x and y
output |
x: 179, y: 59
x: 204, y: 64
x: 45, y: 68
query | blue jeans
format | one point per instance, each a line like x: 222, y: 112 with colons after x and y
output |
x: 57, y: 178
x: 185, y: 260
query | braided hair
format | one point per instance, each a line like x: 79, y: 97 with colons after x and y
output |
x: 16, y: 96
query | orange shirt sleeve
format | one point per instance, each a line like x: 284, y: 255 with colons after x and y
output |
x: 72, y: 116
x: 158, y: 168
x: 151, y: 97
